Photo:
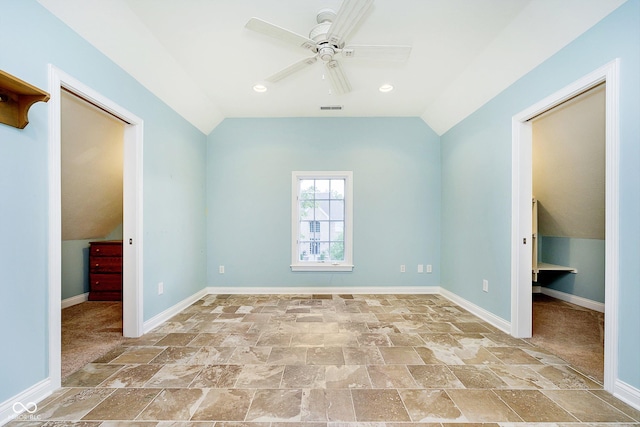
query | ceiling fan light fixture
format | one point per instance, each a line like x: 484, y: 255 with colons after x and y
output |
x: 259, y: 88
x: 385, y: 88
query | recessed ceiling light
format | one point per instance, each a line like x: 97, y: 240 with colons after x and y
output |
x: 386, y: 88
x: 260, y: 88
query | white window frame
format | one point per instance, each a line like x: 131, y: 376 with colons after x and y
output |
x: 347, y: 263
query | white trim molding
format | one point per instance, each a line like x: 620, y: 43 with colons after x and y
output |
x: 320, y: 290
x: 167, y: 314
x: 627, y: 393
x: 78, y: 299
x: 14, y: 408
x: 521, y: 174
x: 574, y: 299
x: 487, y: 316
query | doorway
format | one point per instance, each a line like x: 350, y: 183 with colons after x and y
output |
x: 521, y: 249
x: 132, y: 212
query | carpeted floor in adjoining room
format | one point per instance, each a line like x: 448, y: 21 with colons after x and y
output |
x: 89, y: 330
x: 574, y: 333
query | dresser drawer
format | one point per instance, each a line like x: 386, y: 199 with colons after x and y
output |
x: 105, y: 282
x: 105, y: 296
x: 105, y: 265
x: 103, y: 249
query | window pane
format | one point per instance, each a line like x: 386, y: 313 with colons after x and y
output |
x: 306, y: 187
x: 337, y: 251
x: 323, y: 254
x: 306, y: 209
x: 303, y: 250
x: 337, y: 231
x: 322, y: 188
x: 337, y: 188
x: 321, y: 211
x: 336, y: 209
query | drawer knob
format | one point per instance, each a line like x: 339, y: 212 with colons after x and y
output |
x: 97, y: 265
x: 98, y: 250
x: 98, y: 282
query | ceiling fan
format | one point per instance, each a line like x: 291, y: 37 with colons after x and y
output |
x: 327, y: 41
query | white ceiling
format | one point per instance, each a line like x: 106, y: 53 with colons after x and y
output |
x: 197, y: 56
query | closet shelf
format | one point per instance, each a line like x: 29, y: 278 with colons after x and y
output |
x: 16, y: 97
x: 542, y: 266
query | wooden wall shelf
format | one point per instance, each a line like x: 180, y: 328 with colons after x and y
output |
x: 16, y: 97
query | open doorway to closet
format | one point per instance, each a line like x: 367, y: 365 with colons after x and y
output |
x: 568, y: 239
x: 132, y: 232
x: 91, y: 158
x: 522, y: 223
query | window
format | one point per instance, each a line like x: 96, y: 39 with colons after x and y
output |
x: 322, y: 223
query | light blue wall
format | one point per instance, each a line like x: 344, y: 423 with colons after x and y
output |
x: 396, y: 176
x: 585, y: 255
x: 476, y: 178
x: 174, y: 182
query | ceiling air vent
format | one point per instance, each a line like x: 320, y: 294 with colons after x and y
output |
x: 330, y: 107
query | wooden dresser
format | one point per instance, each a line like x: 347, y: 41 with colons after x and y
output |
x: 105, y: 270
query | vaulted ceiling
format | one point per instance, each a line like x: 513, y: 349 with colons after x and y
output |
x: 197, y: 56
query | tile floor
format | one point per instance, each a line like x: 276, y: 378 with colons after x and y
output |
x: 328, y: 360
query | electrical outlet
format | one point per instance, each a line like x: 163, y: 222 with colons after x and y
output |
x: 420, y: 268
x: 403, y: 268
x: 429, y: 268
x: 485, y: 285
x: 160, y: 288
x: 221, y: 269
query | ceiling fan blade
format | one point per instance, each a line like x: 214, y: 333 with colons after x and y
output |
x: 338, y: 78
x: 386, y: 53
x: 291, y: 69
x: 349, y: 16
x: 271, y: 30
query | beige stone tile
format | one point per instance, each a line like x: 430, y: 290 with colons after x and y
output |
x: 383, y: 328
x: 533, y: 406
x: 390, y: 376
x: 74, y: 405
x: 303, y: 376
x: 175, y: 355
x: 406, y: 340
x: 618, y: 404
x: 110, y: 355
x: 123, y: 404
x: 307, y: 340
x: 260, y: 376
x: 362, y: 356
x: 131, y: 376
x: 174, y: 376
x: 586, y: 406
x: 471, y: 327
x: 217, y: 376
x: 274, y: 339
x: 477, y: 356
x: 241, y: 339
x: 288, y: 356
x: 378, y: 405
x: 208, y: 339
x: 134, y: 355
x: 400, y: 356
x: 565, y: 378
x: 325, y: 356
x: 544, y: 356
x: 431, y: 406
x: 477, y: 376
x: 257, y: 317
x: 176, y: 340
x: 482, y: 406
x: 347, y: 376
x: 434, y: 376
x: 513, y: 356
x: 224, y: 405
x: 250, y: 355
x: 522, y: 377
x: 275, y: 405
x: 442, y: 327
x: 211, y: 355
x: 341, y: 339
x: 374, y: 339
x: 90, y: 375
x: 173, y: 404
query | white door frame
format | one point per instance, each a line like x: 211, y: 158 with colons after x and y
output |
x: 521, y: 311
x: 132, y: 320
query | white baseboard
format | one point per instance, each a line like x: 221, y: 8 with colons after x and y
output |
x: 573, y: 299
x: 367, y: 290
x: 536, y: 289
x: 498, y: 322
x: 627, y: 393
x: 78, y: 299
x: 25, y: 400
x: 160, y: 318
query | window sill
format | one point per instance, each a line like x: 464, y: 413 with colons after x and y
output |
x: 321, y: 267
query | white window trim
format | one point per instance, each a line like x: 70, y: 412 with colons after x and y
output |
x: 347, y: 264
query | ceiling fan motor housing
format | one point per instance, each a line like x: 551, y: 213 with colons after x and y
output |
x: 318, y: 34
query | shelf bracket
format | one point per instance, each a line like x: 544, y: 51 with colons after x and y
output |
x: 16, y: 97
